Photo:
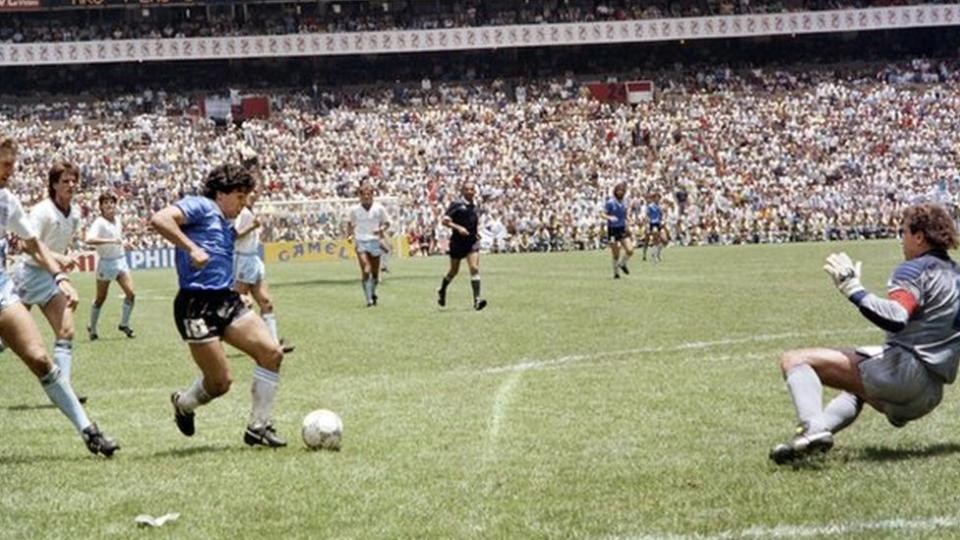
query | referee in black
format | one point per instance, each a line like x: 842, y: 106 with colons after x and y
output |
x: 462, y: 219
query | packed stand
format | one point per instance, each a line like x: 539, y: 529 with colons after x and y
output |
x: 736, y: 157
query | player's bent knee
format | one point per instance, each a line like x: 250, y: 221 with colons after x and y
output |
x: 272, y: 359
x: 791, y: 359
x: 37, y: 362
x: 66, y: 332
x: 218, y: 387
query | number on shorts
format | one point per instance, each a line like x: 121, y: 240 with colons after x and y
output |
x: 196, y: 328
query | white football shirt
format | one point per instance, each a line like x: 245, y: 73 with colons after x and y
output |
x: 13, y: 218
x: 105, y: 230
x: 367, y: 223
x: 53, y: 228
x: 251, y: 242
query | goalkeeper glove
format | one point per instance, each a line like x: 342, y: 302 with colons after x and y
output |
x: 845, y: 273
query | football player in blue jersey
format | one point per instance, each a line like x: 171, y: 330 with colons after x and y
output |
x: 655, y: 232
x: 615, y: 213
x: 903, y: 379
x: 207, y: 309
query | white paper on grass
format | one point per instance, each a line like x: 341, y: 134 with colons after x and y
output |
x: 145, y: 520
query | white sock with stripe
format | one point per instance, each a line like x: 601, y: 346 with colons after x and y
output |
x: 264, y: 389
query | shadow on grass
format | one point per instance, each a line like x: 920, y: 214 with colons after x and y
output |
x: 352, y: 280
x: 882, y: 453
x: 31, y: 407
x: 877, y: 454
x: 32, y: 459
x: 195, y: 450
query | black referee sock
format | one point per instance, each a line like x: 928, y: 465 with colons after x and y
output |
x: 475, y: 284
x: 444, y: 283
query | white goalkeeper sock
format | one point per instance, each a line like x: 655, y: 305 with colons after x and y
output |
x: 841, y: 411
x: 807, y: 393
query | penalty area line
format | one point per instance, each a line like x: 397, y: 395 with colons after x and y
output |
x: 690, y: 345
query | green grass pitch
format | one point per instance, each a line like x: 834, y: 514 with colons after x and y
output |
x: 574, y: 406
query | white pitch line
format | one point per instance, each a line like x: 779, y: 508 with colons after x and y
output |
x: 541, y: 364
x: 807, y: 531
x: 500, y: 402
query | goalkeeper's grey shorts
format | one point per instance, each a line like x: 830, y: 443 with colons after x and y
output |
x: 896, y: 379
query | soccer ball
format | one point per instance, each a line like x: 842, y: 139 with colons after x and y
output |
x: 322, y: 430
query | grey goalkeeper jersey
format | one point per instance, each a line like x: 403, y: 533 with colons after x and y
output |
x: 933, y: 330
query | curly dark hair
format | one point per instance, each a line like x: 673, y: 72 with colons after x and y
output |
x: 228, y: 179
x: 58, y: 171
x: 934, y: 222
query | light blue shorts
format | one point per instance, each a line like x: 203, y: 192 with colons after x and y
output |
x: 370, y: 247
x: 249, y: 268
x: 7, y: 295
x: 109, y: 269
x: 34, y: 285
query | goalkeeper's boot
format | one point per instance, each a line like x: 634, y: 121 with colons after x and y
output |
x: 263, y: 436
x: 801, y: 445
x: 98, y: 443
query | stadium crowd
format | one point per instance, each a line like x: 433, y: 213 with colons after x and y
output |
x: 736, y: 157
x: 274, y: 19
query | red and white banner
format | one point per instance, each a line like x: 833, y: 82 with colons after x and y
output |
x: 486, y: 37
x: 607, y: 92
x: 639, y: 91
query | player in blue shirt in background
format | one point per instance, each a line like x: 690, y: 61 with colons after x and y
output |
x: 615, y: 212
x: 904, y: 378
x: 207, y: 309
x: 654, y: 228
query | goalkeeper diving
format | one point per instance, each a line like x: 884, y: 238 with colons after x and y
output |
x: 903, y: 379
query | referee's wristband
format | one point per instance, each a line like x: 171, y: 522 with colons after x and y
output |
x: 60, y: 277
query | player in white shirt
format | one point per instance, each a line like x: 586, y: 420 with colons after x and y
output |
x: 17, y: 328
x: 367, y: 224
x: 57, y: 222
x: 249, y: 271
x: 106, y: 236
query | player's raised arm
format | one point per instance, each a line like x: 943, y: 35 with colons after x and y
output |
x: 890, y: 314
x: 167, y: 223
